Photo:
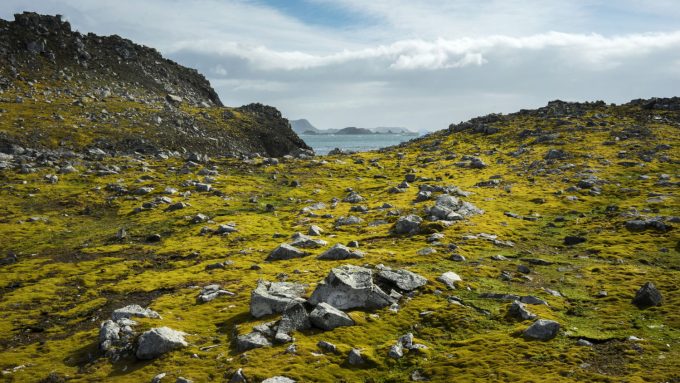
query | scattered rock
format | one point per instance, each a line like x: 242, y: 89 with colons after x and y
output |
x: 252, y: 340
x: 158, y: 341
x: 403, y: 279
x: 519, y: 311
x: 285, y: 251
x: 327, y: 317
x: 134, y: 311
x: 450, y: 279
x: 278, y: 379
x: 326, y: 346
x: 210, y: 292
x: 647, y: 296
x: 354, y: 358
x: 409, y: 224
x: 340, y: 252
x: 274, y: 297
x: 348, y: 287
x: 542, y: 329
x: 306, y: 242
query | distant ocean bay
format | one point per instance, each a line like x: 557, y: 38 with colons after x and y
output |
x: 324, y: 143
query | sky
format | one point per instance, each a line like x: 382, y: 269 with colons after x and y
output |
x: 401, y: 63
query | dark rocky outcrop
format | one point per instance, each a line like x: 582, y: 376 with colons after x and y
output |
x: 86, y: 73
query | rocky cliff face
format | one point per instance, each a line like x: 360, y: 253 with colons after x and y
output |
x: 62, y: 89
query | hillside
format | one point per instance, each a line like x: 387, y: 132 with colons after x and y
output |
x: 506, y: 248
x: 63, y: 91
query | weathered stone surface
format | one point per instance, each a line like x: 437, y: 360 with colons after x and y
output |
x: 327, y: 317
x: 401, y: 278
x: 273, y: 297
x: 210, y: 292
x: 132, y: 311
x: 450, y: 279
x: 294, y: 318
x: 158, y: 341
x: 306, y: 242
x: 278, y: 379
x: 542, y: 329
x: 348, y: 287
x: 450, y: 208
x: 252, y: 340
x: 285, y: 251
x: 354, y: 358
x: 647, y: 296
x: 340, y: 252
x: 409, y: 224
x: 519, y: 311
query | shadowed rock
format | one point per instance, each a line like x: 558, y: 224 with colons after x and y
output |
x: 327, y: 317
x: 647, y: 296
x: 348, y: 287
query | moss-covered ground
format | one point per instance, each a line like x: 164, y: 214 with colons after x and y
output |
x: 72, y: 271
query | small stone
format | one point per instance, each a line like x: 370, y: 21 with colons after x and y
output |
x: 326, y: 346
x: 284, y: 252
x: 354, y: 358
x: 647, y: 296
x: 519, y: 311
x: 542, y: 329
x: 450, y: 279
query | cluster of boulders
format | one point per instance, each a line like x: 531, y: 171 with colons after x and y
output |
x: 345, y: 287
x: 118, y: 338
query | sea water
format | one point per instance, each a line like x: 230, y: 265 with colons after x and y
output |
x: 324, y: 143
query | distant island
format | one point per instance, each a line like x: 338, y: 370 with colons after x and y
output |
x: 303, y: 126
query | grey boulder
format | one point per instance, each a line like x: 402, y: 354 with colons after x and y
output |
x: 340, y: 252
x: 409, y: 224
x: 306, y: 242
x: 403, y: 279
x: 158, y: 341
x: 519, y: 311
x: 542, y: 329
x: 350, y: 286
x: 273, y: 297
x: 252, y: 340
x: 647, y: 296
x: 327, y: 317
x: 278, y: 379
x: 285, y: 251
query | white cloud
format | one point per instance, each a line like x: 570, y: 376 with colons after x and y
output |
x: 591, y: 51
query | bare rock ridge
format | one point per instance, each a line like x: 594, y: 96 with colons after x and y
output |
x: 121, y: 96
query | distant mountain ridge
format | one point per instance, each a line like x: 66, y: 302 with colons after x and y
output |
x: 303, y: 126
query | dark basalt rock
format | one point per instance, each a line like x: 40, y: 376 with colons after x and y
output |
x: 647, y: 296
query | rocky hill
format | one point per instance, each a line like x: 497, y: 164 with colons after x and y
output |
x: 64, y: 91
x: 536, y: 246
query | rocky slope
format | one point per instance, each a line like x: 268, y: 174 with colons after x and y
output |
x: 62, y: 90
x: 537, y: 246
